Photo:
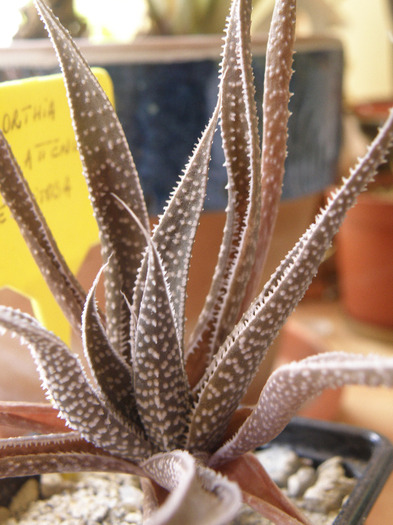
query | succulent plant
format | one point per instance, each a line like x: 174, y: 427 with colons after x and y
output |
x: 153, y: 405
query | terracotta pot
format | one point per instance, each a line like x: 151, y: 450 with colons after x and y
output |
x: 371, y: 115
x: 365, y: 260
x: 294, y: 216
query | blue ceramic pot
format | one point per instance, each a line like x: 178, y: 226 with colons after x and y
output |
x: 165, y: 91
x: 165, y: 106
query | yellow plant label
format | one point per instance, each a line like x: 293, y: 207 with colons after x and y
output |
x: 35, y: 119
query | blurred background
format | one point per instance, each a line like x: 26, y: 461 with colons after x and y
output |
x: 365, y: 27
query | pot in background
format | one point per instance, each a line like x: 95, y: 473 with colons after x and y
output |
x: 165, y: 92
x: 365, y: 259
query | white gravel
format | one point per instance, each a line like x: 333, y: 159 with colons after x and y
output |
x: 79, y: 499
x: 114, y: 499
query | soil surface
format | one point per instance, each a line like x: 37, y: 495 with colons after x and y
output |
x: 113, y: 499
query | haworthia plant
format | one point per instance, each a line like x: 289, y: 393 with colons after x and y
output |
x: 155, y: 405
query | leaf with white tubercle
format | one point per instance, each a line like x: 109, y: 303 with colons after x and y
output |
x: 112, y: 373
x: 66, y: 383
x: 276, y: 95
x: 175, y: 233
x: 108, y: 168
x: 290, y: 386
x: 32, y: 224
x: 340, y: 201
x: 246, y: 346
x: 163, y: 397
x: 240, y: 140
x: 77, y: 455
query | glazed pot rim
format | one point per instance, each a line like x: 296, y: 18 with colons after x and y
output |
x: 153, y: 49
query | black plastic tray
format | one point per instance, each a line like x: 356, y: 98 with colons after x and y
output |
x: 367, y: 456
